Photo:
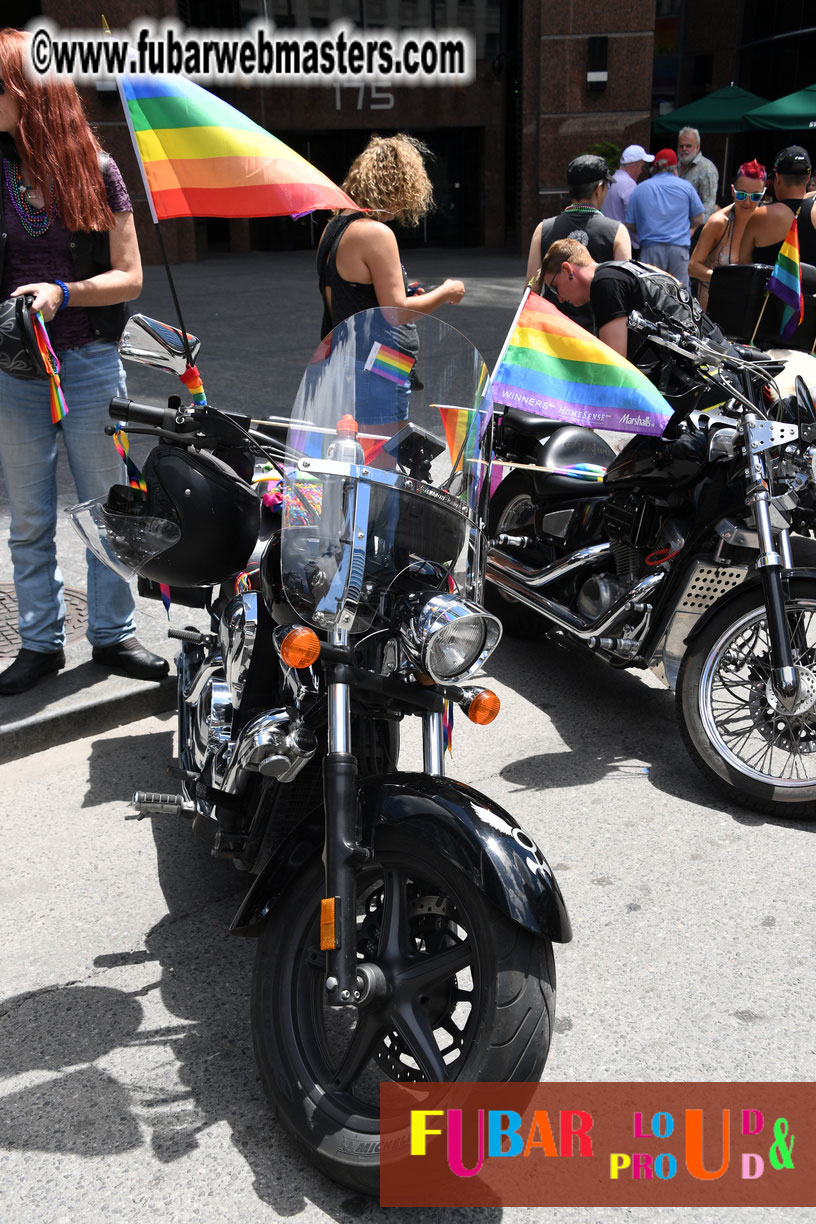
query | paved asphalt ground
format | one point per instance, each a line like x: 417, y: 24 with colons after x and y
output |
x: 128, y: 1087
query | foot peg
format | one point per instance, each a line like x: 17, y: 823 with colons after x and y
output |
x: 150, y: 803
x: 192, y: 635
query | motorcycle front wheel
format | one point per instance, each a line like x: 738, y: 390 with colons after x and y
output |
x: 737, y: 731
x: 470, y: 996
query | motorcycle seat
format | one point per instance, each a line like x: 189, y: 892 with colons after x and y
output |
x: 528, y: 424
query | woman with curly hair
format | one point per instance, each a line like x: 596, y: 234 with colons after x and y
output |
x: 720, y: 237
x: 69, y: 241
x: 358, y: 259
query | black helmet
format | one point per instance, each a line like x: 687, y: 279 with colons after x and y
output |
x: 218, y: 514
x: 196, y: 525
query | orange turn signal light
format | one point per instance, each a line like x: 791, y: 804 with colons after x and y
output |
x: 483, y: 708
x: 300, y: 647
x: 328, y: 929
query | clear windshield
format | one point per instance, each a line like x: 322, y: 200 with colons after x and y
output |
x: 390, y: 444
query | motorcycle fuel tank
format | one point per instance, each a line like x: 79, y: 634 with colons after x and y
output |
x: 658, y: 463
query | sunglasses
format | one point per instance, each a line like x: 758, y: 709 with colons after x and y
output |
x: 755, y: 196
x: 2, y: 86
x: 553, y: 279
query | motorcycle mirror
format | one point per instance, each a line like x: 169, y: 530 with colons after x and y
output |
x: 152, y: 343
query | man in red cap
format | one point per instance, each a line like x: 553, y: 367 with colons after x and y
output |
x: 664, y: 212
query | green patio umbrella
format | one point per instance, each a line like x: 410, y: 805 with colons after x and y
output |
x: 794, y: 111
x: 721, y: 111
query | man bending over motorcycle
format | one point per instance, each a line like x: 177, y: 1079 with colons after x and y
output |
x: 617, y: 289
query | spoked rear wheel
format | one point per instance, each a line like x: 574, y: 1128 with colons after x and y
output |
x: 738, y: 731
x: 470, y: 995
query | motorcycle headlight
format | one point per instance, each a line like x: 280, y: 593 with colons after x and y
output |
x: 449, y: 638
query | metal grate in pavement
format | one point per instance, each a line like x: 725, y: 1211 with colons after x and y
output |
x: 76, y: 618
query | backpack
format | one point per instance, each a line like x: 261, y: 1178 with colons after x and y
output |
x: 664, y: 299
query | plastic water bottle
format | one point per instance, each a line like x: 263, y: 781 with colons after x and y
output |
x: 345, y: 448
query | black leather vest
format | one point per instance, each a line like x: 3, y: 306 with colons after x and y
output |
x: 90, y: 253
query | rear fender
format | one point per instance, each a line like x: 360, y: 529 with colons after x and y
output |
x: 479, y: 837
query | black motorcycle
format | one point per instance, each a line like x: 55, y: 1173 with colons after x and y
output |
x: 404, y: 921
x: 682, y: 558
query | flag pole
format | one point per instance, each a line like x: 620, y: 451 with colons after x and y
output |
x: 156, y: 226
x: 759, y: 319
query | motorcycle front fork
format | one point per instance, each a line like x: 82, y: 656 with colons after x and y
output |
x: 774, y: 561
x: 348, y: 981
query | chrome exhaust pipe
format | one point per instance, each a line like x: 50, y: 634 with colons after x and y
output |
x: 507, y: 574
x: 550, y: 573
x: 274, y: 744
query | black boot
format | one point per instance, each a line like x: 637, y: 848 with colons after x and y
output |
x: 131, y: 658
x: 28, y: 669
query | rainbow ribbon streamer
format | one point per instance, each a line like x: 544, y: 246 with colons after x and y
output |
x: 50, y: 361
x: 137, y: 481
x: 135, y: 478
x: 447, y: 726
x: 581, y: 471
x: 192, y: 381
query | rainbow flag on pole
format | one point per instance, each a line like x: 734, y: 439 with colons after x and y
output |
x: 785, y: 282
x: 201, y: 157
x: 554, y: 368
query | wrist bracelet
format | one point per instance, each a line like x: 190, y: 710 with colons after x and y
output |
x: 65, y: 294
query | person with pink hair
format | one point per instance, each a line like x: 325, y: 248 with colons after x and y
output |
x: 719, y: 241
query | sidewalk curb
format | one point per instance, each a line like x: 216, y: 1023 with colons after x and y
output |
x: 40, y: 731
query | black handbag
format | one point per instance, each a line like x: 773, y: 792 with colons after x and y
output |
x: 19, y: 352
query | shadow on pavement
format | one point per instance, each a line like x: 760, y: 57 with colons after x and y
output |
x: 621, y: 728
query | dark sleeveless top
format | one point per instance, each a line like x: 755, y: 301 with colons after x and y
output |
x: 807, y: 236
x: 347, y: 297
x: 596, y: 232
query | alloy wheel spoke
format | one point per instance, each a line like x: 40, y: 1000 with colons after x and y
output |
x: 430, y: 969
x: 413, y: 1027
x: 394, y: 937
x: 367, y: 1033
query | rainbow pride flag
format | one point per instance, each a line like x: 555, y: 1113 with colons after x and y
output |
x: 390, y: 363
x: 785, y: 282
x: 201, y: 157
x: 552, y: 367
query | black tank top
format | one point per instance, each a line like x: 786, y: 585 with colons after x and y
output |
x: 807, y: 236
x: 597, y: 233
x: 347, y: 297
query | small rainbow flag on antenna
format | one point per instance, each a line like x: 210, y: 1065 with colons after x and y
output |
x: 785, y: 282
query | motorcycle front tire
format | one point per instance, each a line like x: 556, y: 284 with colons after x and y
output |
x: 512, y: 511
x: 736, y: 732
x: 481, y: 990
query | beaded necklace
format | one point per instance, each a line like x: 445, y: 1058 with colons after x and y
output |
x: 581, y: 208
x: 35, y: 221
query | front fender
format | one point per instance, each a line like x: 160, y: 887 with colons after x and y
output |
x: 737, y: 592
x: 451, y: 819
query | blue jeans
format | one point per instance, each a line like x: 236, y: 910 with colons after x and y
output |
x: 90, y: 376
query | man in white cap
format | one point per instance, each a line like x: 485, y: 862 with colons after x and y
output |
x: 633, y: 158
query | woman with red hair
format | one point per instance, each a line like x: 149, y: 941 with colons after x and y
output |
x: 67, y: 238
x: 719, y: 241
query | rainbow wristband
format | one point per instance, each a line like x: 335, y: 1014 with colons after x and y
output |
x: 65, y: 294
